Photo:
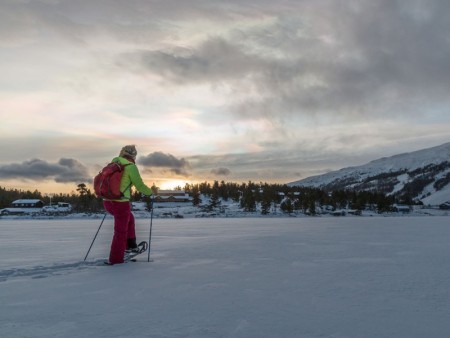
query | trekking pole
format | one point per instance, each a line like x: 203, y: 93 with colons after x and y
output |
x: 95, y: 236
x: 150, y: 235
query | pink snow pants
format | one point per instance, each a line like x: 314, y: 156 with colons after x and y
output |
x: 124, y: 228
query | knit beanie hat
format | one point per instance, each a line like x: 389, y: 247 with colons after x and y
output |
x: 129, y: 151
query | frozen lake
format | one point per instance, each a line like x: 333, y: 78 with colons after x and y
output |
x: 229, y: 277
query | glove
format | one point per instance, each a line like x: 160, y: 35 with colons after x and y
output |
x: 149, y: 200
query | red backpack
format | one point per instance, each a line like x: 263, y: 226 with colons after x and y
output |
x: 107, y: 181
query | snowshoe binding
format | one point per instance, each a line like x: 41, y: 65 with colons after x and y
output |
x: 132, y: 253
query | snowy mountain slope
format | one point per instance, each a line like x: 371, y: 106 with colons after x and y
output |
x: 418, y: 175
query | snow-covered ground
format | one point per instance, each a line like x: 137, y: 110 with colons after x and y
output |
x: 229, y: 277
x: 438, y: 197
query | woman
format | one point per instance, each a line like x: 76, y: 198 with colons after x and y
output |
x: 124, y: 226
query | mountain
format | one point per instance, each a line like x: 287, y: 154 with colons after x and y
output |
x: 420, y: 175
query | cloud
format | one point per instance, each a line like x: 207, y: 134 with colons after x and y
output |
x: 349, y: 60
x: 72, y: 171
x: 168, y: 162
x: 221, y: 171
x: 178, y: 172
x: 130, y: 21
x: 160, y: 159
x: 64, y: 171
x: 214, y: 60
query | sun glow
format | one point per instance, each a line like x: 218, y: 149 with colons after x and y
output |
x: 170, y: 184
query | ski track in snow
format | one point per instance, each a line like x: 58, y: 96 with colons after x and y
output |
x: 41, y: 271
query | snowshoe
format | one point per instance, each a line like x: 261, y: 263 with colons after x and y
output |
x: 130, y: 255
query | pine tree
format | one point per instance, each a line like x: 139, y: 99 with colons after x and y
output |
x: 214, y: 200
x: 266, y: 201
x: 286, y: 206
x: 312, y: 207
x: 196, y: 200
x: 248, y: 202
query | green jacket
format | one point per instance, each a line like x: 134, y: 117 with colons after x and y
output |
x: 131, y: 177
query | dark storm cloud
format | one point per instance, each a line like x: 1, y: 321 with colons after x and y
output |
x: 64, y: 171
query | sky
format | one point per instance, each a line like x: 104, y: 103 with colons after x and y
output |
x: 241, y: 90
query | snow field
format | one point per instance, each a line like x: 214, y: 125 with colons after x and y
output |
x: 251, y: 277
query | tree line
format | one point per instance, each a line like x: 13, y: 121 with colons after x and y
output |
x: 288, y: 198
x: 209, y: 196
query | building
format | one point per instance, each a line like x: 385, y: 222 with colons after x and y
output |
x: 23, y: 206
x: 445, y: 206
x: 24, y: 203
x: 178, y: 196
x: 401, y: 208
